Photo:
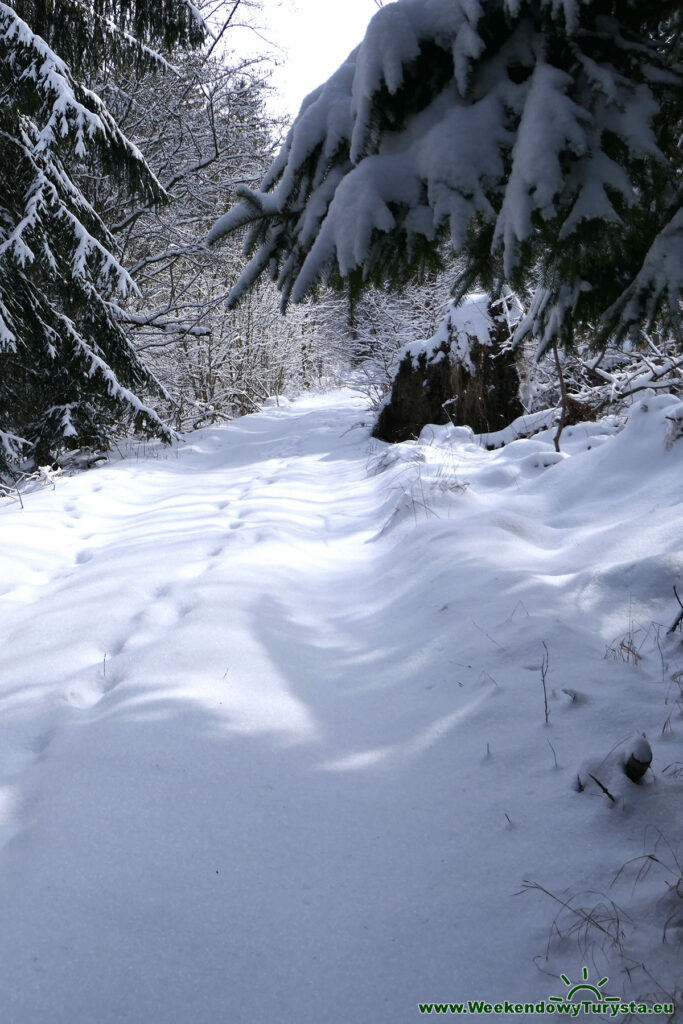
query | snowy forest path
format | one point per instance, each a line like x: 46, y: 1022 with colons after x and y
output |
x: 272, y: 735
x: 231, y: 543
x: 160, y: 620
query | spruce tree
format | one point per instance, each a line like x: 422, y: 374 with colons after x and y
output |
x: 539, y: 138
x: 69, y: 376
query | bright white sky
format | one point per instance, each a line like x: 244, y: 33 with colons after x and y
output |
x: 314, y: 37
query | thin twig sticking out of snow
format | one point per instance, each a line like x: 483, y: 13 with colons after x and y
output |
x: 544, y: 673
x: 679, y: 618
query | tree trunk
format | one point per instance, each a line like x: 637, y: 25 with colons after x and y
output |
x: 478, y: 389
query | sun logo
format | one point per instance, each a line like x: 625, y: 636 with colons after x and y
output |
x: 584, y: 986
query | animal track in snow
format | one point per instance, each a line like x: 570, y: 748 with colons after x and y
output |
x: 117, y: 648
x: 41, y: 742
x: 95, y: 683
x: 158, y: 617
x: 83, y: 697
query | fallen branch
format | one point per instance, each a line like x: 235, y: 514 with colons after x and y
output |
x: 603, y: 788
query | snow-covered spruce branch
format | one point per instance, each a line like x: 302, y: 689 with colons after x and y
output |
x: 506, y: 153
x: 68, y: 110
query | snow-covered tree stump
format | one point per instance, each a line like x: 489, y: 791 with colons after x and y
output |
x: 639, y: 760
x: 464, y: 374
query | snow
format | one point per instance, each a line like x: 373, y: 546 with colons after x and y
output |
x: 641, y: 750
x: 464, y: 323
x: 272, y: 733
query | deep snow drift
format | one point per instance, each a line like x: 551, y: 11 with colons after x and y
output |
x: 273, y: 743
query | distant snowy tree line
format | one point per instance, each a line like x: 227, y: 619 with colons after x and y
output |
x: 528, y: 148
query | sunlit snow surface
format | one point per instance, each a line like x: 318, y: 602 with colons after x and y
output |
x: 272, y: 730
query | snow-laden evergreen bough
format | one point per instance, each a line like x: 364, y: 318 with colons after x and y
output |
x: 68, y: 374
x: 540, y: 138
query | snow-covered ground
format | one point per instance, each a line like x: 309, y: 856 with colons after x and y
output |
x: 273, y: 741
